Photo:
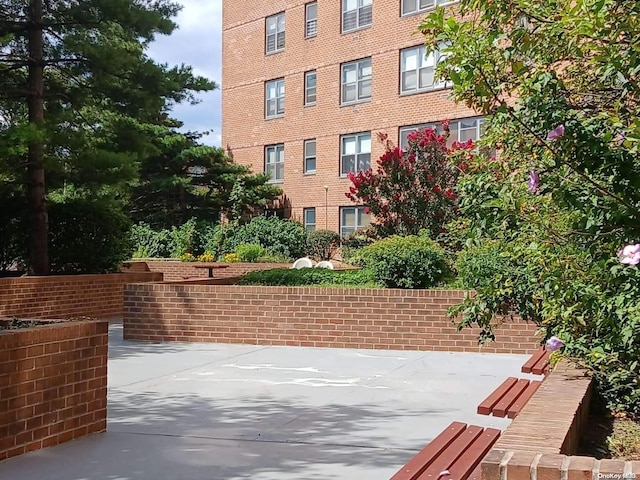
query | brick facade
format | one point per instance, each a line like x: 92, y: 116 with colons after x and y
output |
x: 53, y: 385
x: 541, y: 440
x: 246, y: 68
x: 315, y: 317
x: 65, y: 296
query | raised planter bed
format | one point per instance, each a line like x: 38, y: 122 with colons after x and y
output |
x: 53, y: 384
x: 302, y: 316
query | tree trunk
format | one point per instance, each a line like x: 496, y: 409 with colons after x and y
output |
x: 38, y: 221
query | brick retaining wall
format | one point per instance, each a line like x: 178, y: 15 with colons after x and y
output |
x: 300, y: 316
x: 65, y: 296
x: 541, y: 440
x: 53, y: 385
x: 175, y: 270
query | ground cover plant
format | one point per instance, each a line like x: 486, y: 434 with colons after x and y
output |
x: 311, y: 277
x: 559, y: 83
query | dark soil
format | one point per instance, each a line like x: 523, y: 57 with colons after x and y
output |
x: 16, y: 323
x: 611, y: 436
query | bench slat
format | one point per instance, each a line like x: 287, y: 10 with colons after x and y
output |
x: 477, y: 472
x: 448, y: 458
x: 422, y: 460
x: 535, y: 358
x: 540, y: 367
x: 487, y: 405
x: 522, y: 400
x: 500, y: 410
x: 473, y: 456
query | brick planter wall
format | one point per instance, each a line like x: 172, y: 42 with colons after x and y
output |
x: 65, y: 296
x: 53, y: 385
x: 541, y: 440
x: 319, y: 317
x: 174, y: 270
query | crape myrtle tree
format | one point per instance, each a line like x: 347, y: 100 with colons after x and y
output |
x: 414, y: 189
x: 558, y: 215
x: 78, y: 98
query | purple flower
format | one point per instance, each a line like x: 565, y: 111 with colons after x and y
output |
x: 554, y: 343
x: 620, y: 138
x: 556, y: 133
x: 630, y: 255
x: 534, y: 182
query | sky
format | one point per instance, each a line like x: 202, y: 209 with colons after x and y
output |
x: 198, y: 43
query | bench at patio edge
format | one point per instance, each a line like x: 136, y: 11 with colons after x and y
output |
x: 538, y: 363
x: 455, y: 454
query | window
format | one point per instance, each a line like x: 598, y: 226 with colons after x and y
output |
x: 310, y: 88
x: 414, y: 6
x: 310, y: 156
x: 459, y: 130
x: 417, y: 71
x: 355, y: 153
x: 275, y: 33
x: 309, y: 219
x: 274, y: 162
x: 311, y: 20
x: 274, y: 99
x: 356, y: 81
x: 352, y: 219
x: 356, y: 14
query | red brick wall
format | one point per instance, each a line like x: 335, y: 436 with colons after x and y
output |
x: 246, y: 68
x: 175, y: 270
x: 542, y: 438
x: 53, y: 385
x: 332, y: 317
x: 66, y: 296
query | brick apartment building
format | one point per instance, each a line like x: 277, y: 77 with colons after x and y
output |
x: 306, y: 87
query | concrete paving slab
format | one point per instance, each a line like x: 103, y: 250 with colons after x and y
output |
x: 212, y: 411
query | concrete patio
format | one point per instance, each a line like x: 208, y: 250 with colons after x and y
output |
x: 213, y: 411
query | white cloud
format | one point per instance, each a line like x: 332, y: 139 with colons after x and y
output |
x: 198, y: 43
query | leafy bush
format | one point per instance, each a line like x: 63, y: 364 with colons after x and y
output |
x: 274, y: 258
x: 354, y: 242
x: 249, y: 252
x: 187, y: 257
x: 311, y: 276
x: 231, y: 258
x: 88, y: 236
x: 206, y: 257
x: 404, y: 262
x: 276, y: 236
x: 191, y: 237
x: 323, y: 244
x: 150, y: 243
x: 13, y: 244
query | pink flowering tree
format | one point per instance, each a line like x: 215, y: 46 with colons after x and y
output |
x: 413, y: 190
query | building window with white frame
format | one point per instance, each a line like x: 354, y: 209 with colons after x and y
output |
x: 310, y: 88
x: 459, y: 130
x: 311, y: 20
x: 417, y: 70
x: 274, y: 162
x: 274, y: 98
x: 353, y: 219
x: 355, y: 153
x: 356, y: 81
x: 309, y: 215
x: 356, y: 14
x: 274, y: 41
x: 410, y: 7
x: 310, y: 156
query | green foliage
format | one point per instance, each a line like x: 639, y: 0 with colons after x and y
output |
x: 12, y: 241
x: 274, y: 258
x: 249, y: 252
x: 323, y: 244
x: 574, y: 69
x: 311, y: 276
x: 276, y: 236
x: 354, y: 242
x: 190, y: 237
x: 187, y: 257
x: 404, y: 262
x: 231, y: 258
x: 88, y: 236
x: 150, y: 243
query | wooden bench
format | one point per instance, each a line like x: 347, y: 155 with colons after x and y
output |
x: 538, y: 362
x: 509, y: 398
x: 455, y: 454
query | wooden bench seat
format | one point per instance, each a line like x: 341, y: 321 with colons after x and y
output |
x: 455, y: 454
x: 509, y: 398
x: 538, y: 362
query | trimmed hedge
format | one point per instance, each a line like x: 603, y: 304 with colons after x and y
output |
x: 309, y: 277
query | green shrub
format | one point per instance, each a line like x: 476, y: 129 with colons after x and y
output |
x: 477, y: 266
x: 13, y: 242
x: 276, y: 236
x: 88, y: 236
x: 187, y: 257
x: 150, y: 243
x: 249, y: 252
x: 323, y: 244
x: 274, y: 258
x: 310, y: 276
x: 356, y: 241
x: 231, y: 258
x: 404, y: 262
